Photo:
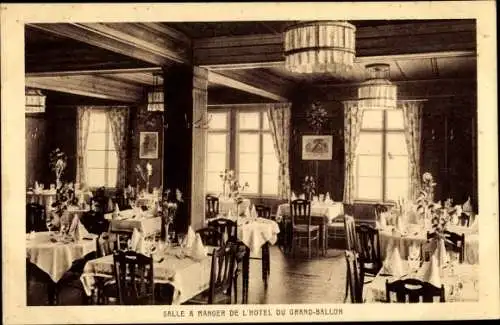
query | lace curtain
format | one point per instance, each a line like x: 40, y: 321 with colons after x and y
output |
x: 279, y: 115
x: 353, y: 117
x: 118, y: 118
x: 83, y: 124
x: 412, y: 116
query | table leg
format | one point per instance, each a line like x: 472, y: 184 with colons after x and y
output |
x: 246, y: 275
x: 52, y: 293
x: 265, y: 264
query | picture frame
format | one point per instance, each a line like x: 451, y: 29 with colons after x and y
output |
x: 148, y: 145
x: 317, y: 147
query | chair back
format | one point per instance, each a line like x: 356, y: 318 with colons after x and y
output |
x: 464, y: 219
x: 368, y: 242
x: 210, y: 236
x: 134, y: 278
x: 211, y: 206
x: 263, y: 211
x: 413, y: 291
x: 353, y: 278
x: 226, y: 227
x: 453, y: 241
x: 222, y: 272
x: 106, y: 244
x: 35, y: 217
x: 301, y: 212
x: 94, y: 222
x: 350, y: 233
x: 379, y: 209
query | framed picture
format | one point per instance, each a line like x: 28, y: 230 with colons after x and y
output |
x: 148, y: 145
x: 317, y: 147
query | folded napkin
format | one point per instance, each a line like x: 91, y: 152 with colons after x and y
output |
x: 137, y: 242
x: 302, y: 196
x: 78, y: 230
x: 383, y: 220
x: 253, y: 213
x: 393, y: 264
x: 429, y: 272
x: 293, y: 197
x: 247, y: 212
x: 189, y: 239
x: 400, y: 226
x: 198, y: 250
x: 440, y: 253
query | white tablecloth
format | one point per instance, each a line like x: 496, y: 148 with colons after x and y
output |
x: 187, y: 276
x: 416, y: 236
x: 460, y: 275
x: 56, y: 258
x: 225, y: 205
x: 127, y: 221
x: 331, y: 211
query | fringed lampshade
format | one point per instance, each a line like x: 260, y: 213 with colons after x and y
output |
x: 377, y: 92
x: 320, y: 47
x: 155, y: 96
x: 34, y: 101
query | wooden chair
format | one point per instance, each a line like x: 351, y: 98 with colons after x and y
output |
x: 454, y: 242
x: 210, y: 236
x: 211, y: 207
x: 464, y: 219
x: 413, y: 291
x: 354, y: 286
x: 228, y: 229
x: 35, y: 217
x: 368, y: 247
x: 134, y: 278
x: 263, y: 211
x: 301, y: 226
x: 350, y: 233
x: 336, y: 229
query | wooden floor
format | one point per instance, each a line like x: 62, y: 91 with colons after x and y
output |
x: 320, y: 280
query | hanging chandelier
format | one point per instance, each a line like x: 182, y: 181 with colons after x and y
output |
x: 320, y: 47
x: 34, y: 101
x: 155, y: 96
x: 377, y: 92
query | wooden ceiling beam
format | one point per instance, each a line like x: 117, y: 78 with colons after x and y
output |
x: 146, y: 42
x: 89, y: 85
x: 382, y: 41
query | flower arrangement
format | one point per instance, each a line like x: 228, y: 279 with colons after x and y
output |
x: 316, y: 116
x: 57, y: 162
x: 425, y: 199
x: 231, y: 185
x: 168, y: 212
x: 143, y: 176
x: 309, y: 187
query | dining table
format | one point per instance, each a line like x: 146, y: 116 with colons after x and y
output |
x: 231, y: 206
x: 322, y: 214
x: 189, y: 277
x: 127, y: 220
x: 460, y: 281
x: 416, y: 235
x: 54, y: 255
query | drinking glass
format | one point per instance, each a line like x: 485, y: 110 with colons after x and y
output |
x: 49, y: 225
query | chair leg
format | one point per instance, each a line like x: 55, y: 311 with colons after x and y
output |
x: 309, y: 247
x: 347, y: 280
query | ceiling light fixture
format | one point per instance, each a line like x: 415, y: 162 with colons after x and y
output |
x: 34, y: 101
x: 155, y: 96
x: 377, y: 92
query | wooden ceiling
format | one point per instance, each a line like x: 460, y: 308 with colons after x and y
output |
x: 117, y: 60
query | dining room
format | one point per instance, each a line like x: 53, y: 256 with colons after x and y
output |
x: 251, y: 162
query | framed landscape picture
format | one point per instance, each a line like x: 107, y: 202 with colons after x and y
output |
x: 148, y: 145
x: 317, y: 147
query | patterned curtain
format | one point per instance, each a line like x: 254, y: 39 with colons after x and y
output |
x: 279, y: 115
x: 118, y: 117
x: 83, y: 124
x: 353, y: 116
x: 412, y: 115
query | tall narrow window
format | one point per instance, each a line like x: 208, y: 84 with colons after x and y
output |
x: 382, y: 159
x: 217, y: 150
x: 102, y: 161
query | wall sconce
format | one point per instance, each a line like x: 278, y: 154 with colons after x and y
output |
x: 34, y: 101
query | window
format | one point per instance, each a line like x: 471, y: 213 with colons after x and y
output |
x: 102, y: 161
x: 381, y: 167
x: 252, y: 157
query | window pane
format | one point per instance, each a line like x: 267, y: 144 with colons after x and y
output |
x: 370, y: 143
x: 396, y: 144
x: 369, y: 188
x: 372, y: 119
x: 268, y: 144
x: 270, y: 164
x: 112, y: 159
x: 265, y: 122
x: 96, y: 159
x: 249, y: 143
x: 217, y: 120
x: 270, y: 184
x: 249, y: 162
x: 369, y: 165
x: 397, y: 166
x: 214, y: 183
x: 96, y: 141
x: 216, y: 162
x: 95, y: 177
x: 395, y: 119
x: 396, y: 187
x: 248, y: 120
x: 97, y: 121
x: 217, y: 142
x: 111, y: 177
x: 253, y: 181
